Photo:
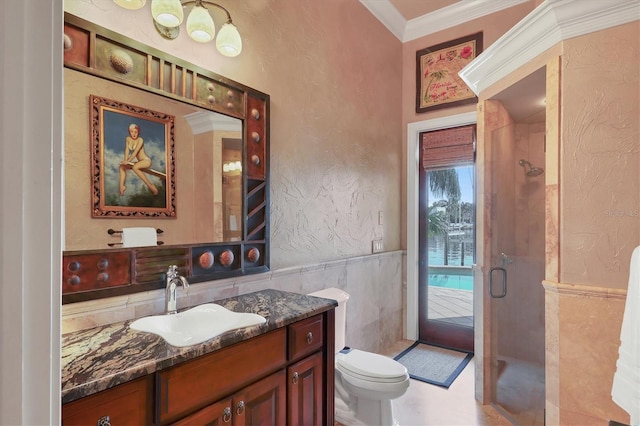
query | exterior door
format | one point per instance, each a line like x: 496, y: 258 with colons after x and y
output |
x: 446, y: 255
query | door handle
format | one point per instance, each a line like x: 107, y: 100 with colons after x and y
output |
x: 504, y: 282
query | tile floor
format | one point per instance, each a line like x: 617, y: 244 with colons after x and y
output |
x: 426, y: 404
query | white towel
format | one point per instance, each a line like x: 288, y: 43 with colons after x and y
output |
x: 626, y: 380
x: 139, y: 237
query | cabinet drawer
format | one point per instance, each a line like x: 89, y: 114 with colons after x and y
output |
x: 215, y: 414
x: 190, y: 386
x: 129, y: 403
x: 305, y: 337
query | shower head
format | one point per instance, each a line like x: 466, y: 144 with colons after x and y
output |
x: 531, y: 170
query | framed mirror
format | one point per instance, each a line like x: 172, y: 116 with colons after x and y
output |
x: 152, y: 141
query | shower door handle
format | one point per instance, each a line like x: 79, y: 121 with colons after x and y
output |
x: 504, y: 282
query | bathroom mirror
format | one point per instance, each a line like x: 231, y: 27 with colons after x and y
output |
x: 215, y: 223
x: 207, y: 194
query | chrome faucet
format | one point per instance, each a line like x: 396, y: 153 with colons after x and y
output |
x: 173, y: 280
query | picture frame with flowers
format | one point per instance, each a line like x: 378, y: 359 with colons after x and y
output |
x: 438, y: 84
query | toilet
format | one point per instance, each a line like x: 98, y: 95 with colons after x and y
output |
x: 365, y: 383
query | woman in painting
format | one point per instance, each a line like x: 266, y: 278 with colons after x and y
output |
x: 136, y: 159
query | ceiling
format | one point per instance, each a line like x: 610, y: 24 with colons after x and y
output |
x: 410, y: 9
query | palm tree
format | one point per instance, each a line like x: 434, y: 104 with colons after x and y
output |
x: 444, y: 182
x: 466, y: 211
x: 437, y: 223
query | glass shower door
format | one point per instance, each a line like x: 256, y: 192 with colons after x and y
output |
x: 517, y: 271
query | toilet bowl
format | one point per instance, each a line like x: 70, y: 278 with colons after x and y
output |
x: 365, y: 383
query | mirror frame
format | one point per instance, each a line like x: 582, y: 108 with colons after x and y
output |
x: 95, y: 274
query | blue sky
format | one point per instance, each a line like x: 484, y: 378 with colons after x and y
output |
x: 465, y: 174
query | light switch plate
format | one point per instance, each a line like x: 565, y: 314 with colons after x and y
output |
x: 376, y: 246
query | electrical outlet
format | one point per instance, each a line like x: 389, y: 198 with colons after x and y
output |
x: 376, y: 246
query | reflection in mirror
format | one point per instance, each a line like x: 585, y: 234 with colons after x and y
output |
x: 208, y: 157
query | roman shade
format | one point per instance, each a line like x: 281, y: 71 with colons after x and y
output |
x: 448, y: 147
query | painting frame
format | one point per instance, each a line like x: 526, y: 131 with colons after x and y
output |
x: 438, y: 84
x: 132, y: 161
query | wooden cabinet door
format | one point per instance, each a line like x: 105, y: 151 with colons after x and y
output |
x: 305, y: 394
x: 262, y: 403
x: 127, y: 404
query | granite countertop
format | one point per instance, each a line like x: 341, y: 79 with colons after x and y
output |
x: 102, y: 357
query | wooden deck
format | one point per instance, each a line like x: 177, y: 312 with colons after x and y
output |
x: 451, y: 305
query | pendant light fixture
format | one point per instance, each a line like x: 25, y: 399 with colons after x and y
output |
x: 200, y: 26
x: 169, y: 14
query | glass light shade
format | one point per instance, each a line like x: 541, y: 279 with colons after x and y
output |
x: 167, y: 12
x: 130, y: 4
x: 200, y: 26
x: 228, y: 41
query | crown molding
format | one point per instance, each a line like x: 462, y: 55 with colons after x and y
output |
x: 550, y: 23
x: 447, y: 17
x: 455, y: 14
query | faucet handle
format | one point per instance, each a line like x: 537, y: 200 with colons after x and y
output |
x: 172, y: 271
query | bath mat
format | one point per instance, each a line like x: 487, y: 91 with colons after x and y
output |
x: 433, y: 364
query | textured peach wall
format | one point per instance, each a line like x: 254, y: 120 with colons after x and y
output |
x: 334, y: 76
x: 600, y: 156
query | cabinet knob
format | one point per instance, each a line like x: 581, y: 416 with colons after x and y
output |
x: 294, y: 379
x: 309, y: 337
x: 226, y: 415
x: 240, y: 408
x: 104, y: 421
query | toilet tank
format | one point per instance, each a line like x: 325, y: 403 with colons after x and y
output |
x: 341, y: 297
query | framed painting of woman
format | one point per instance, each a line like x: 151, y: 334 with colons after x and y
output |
x: 132, y: 158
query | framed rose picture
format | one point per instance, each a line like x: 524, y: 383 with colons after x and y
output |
x: 132, y: 160
x: 438, y: 84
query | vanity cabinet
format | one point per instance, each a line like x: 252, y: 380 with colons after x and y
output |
x: 129, y: 403
x: 284, y: 376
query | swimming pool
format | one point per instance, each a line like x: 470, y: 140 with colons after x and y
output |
x: 456, y: 278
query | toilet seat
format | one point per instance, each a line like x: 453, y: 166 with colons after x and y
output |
x: 371, y: 367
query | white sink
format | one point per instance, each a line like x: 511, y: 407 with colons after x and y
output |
x: 196, y: 325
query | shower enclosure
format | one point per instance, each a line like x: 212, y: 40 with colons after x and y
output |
x: 517, y: 269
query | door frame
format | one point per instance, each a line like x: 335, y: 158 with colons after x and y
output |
x: 413, y: 159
